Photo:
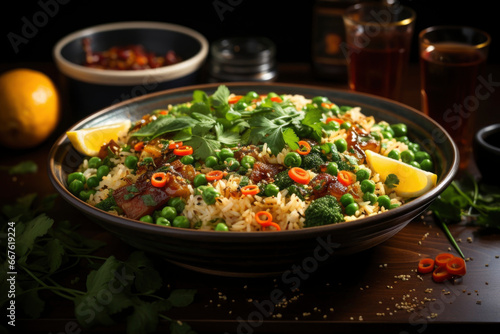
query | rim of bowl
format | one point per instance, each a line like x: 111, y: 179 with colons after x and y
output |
x: 115, y: 77
x: 485, y: 132
x: 209, y: 235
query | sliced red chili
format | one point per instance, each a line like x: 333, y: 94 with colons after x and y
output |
x: 425, y: 265
x: 183, y: 150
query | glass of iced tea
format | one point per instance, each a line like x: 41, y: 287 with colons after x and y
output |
x: 378, y: 39
x: 452, y: 60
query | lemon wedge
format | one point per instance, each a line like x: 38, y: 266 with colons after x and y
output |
x: 89, y: 141
x: 413, y: 181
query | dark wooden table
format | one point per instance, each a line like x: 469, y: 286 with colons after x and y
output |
x: 377, y: 291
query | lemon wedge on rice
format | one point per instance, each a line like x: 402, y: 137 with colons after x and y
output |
x: 89, y: 141
x: 413, y: 181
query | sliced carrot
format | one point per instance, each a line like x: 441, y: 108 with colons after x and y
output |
x: 425, y: 265
x: 174, y: 144
x: 251, y: 189
x: 183, y: 150
x: 263, y: 218
x: 456, y: 266
x: 440, y: 274
x: 346, y: 178
x: 304, y: 148
x: 276, y: 99
x: 273, y: 224
x: 163, y: 112
x: 443, y: 258
x: 234, y: 99
x: 139, y: 146
x: 159, y: 179
x: 214, y: 175
x: 299, y: 175
x: 333, y: 119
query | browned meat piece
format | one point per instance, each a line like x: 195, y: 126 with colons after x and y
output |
x: 247, y: 150
x: 264, y: 171
x: 143, y: 199
x: 111, y: 146
x: 360, y: 140
x: 325, y: 184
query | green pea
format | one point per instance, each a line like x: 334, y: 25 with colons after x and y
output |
x: 394, y: 154
x: 332, y: 168
x: 76, y: 176
x: 131, y: 161
x: 240, y: 105
x: 75, y: 187
x: 232, y: 163
x: 403, y: 139
x: 351, y: 209
x: 146, y: 219
x: 415, y: 164
x: 384, y: 201
x: 421, y: 155
x: 181, y: 221
x: 427, y: 165
x: 346, y: 125
x: 292, y: 159
x: 399, y: 129
x: 187, y: 159
x: 95, y: 162
x: 341, y: 145
x: 226, y: 153
x: 271, y: 190
x: 200, y: 180
x: 387, y: 135
x: 168, y: 212
x: 370, y: 197
x: 319, y: 100
x: 367, y: 186
x: 178, y: 203
x: 252, y: 95
x: 162, y: 221
x: 211, y: 161
x: 327, y: 148
x: 102, y: 171
x: 393, y: 206
x: 362, y: 174
x: 414, y: 147
x: 247, y: 161
x: 221, y: 227
x: 346, y: 199
x: 92, y: 182
x: 407, y: 156
x: 333, y: 126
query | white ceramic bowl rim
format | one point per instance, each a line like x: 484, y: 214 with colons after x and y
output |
x: 115, y: 77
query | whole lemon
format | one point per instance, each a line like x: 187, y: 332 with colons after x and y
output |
x: 29, y: 108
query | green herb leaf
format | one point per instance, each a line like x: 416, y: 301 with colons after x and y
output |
x: 182, y: 297
x: 391, y: 181
x: 164, y: 125
x: 33, y: 229
x: 291, y: 138
x: 146, y: 277
x: 24, y: 167
x: 148, y: 200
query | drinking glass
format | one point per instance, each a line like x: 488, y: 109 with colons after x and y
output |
x: 452, y: 59
x: 378, y: 40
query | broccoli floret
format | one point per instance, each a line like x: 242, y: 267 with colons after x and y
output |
x: 299, y: 191
x: 283, y: 180
x: 312, y: 161
x: 323, y: 211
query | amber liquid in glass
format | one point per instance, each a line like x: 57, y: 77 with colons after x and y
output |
x: 379, y: 71
x: 449, y: 80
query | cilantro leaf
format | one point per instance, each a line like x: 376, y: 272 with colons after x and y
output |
x: 164, y: 125
x: 146, y: 277
x: 219, y: 100
x: 203, y: 146
x: 181, y: 297
x: 33, y: 229
x: 24, y: 167
x: 291, y: 138
x: 391, y: 181
x: 226, y: 137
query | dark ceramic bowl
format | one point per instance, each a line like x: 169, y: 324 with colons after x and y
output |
x: 262, y: 253
x: 92, y: 89
x: 487, y: 152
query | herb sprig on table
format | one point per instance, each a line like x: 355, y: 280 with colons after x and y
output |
x: 129, y: 290
x: 469, y: 200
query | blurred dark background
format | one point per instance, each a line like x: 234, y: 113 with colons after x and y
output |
x: 287, y: 23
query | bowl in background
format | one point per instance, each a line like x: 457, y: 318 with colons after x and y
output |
x: 91, y: 89
x: 261, y: 253
x: 487, y: 152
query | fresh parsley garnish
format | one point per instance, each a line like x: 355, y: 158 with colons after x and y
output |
x: 391, y: 181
